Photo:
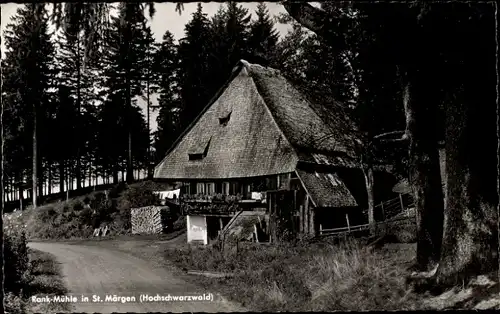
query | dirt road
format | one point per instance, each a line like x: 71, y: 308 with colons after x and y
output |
x: 93, y: 270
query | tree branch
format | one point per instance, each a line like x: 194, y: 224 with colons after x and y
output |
x: 388, y: 134
x: 312, y: 18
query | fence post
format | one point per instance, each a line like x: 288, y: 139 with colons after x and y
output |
x: 383, y: 213
x: 320, y: 229
x: 401, y: 201
x: 383, y: 218
x: 348, y: 225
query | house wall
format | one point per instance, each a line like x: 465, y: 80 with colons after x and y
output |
x: 197, y: 229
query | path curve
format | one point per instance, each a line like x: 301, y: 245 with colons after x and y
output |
x: 92, y: 270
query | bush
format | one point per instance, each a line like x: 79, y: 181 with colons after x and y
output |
x: 86, y: 200
x: 85, y: 217
x: 14, y: 304
x: 141, y: 196
x: 16, y: 261
x: 45, y: 214
x: 98, y: 201
x: 116, y: 190
x: 180, y: 223
x: 78, y: 206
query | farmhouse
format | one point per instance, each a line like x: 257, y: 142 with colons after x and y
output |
x: 262, y: 144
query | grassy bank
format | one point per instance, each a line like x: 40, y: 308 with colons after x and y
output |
x: 73, y: 219
x: 30, y: 273
x: 46, y: 280
x: 318, y: 277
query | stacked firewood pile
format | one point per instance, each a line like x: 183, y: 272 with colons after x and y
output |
x: 148, y: 220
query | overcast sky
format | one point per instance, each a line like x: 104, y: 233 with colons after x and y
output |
x: 165, y: 18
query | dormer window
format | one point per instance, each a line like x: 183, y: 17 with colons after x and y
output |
x: 199, y: 150
x: 196, y: 156
x: 224, y: 120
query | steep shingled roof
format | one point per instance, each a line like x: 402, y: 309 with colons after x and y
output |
x: 258, y: 124
x: 326, y: 189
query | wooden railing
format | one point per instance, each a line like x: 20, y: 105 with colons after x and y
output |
x: 357, y: 228
x: 389, y: 210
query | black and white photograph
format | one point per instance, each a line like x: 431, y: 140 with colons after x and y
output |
x: 284, y: 156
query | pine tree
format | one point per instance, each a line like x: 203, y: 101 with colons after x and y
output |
x: 124, y: 74
x: 263, y: 36
x: 169, y: 104
x: 151, y: 79
x: 80, y: 80
x: 194, y: 73
x: 29, y: 52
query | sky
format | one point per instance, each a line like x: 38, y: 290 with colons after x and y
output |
x: 165, y: 18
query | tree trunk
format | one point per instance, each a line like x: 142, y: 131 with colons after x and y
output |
x: 470, y: 240
x: 115, y: 175
x: 78, y: 122
x: 128, y: 102
x: 49, y: 188
x: 425, y: 176
x: 41, y: 178
x: 148, y: 159
x: 34, y: 176
x: 61, y: 177
x: 90, y: 173
x: 369, y: 181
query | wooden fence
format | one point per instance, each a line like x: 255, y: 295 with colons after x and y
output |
x: 389, y: 210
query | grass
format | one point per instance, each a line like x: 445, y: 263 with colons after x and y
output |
x: 70, y: 220
x: 46, y: 280
x: 317, y: 277
x: 43, y: 279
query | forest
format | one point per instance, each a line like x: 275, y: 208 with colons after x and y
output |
x: 411, y: 75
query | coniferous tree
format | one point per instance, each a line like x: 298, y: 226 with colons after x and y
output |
x: 124, y: 74
x: 194, y: 73
x: 263, y: 36
x: 29, y: 53
x: 80, y: 81
x: 151, y: 79
x: 169, y: 104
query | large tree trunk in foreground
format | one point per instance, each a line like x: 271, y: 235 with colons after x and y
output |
x: 425, y: 176
x: 470, y: 243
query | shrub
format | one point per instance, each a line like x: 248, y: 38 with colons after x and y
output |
x: 45, y: 214
x: 78, y: 206
x: 116, y: 190
x: 85, y: 217
x: 16, y: 261
x: 86, y: 200
x: 14, y: 304
x: 141, y: 196
x: 98, y: 201
x: 180, y: 223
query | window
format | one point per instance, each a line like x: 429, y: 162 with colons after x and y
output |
x: 210, y: 188
x: 224, y: 120
x: 218, y: 188
x: 196, y: 156
x: 225, y: 188
x: 200, y: 188
x: 199, y: 150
